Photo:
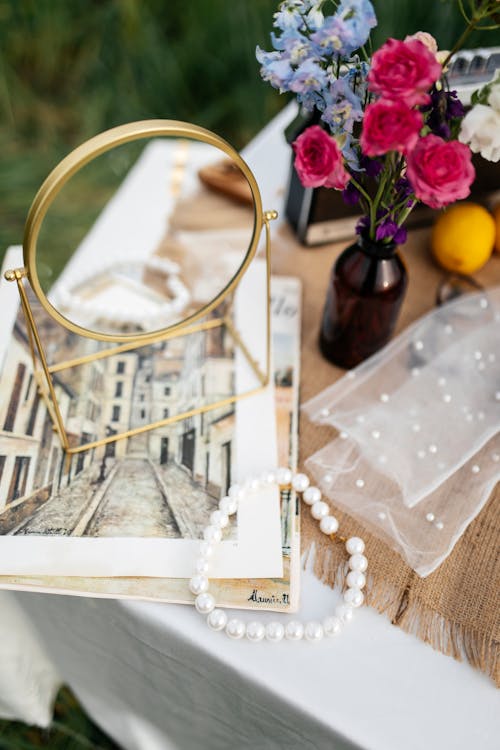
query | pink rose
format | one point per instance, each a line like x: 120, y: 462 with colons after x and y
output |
x: 403, y: 71
x: 389, y: 126
x: 440, y: 171
x: 318, y: 160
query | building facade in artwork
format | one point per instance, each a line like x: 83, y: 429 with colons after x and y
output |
x: 31, y: 457
x: 108, y: 396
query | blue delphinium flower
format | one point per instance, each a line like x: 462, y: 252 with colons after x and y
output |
x: 358, y: 17
x: 330, y: 37
x: 289, y: 15
x: 309, y: 76
x: 342, y: 107
x: 295, y: 46
x: 275, y: 69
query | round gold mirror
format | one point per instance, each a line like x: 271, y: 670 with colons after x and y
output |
x: 113, y: 261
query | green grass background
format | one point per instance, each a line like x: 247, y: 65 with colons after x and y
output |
x: 72, y: 68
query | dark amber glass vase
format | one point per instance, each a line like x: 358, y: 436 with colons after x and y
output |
x: 365, y: 293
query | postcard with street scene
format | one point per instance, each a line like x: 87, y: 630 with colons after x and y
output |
x: 161, y: 484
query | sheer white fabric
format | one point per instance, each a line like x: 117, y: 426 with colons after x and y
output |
x: 418, y: 449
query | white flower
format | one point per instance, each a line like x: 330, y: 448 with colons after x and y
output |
x: 426, y: 39
x: 481, y: 130
x: 494, y: 97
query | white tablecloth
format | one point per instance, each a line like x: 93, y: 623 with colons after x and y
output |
x: 154, y: 677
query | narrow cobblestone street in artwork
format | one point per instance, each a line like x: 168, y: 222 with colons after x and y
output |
x: 137, y: 498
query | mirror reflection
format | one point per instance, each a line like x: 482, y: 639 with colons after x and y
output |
x: 154, y: 257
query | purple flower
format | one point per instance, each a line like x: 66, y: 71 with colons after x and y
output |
x: 350, y: 195
x: 372, y: 167
x: 363, y: 225
x: 404, y: 190
x: 443, y: 108
x: 388, y: 229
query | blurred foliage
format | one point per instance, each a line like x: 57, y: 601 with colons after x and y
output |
x: 71, y: 730
x: 71, y: 69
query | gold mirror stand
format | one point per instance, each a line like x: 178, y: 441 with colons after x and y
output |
x: 43, y: 371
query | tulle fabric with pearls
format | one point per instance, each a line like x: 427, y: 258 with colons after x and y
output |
x: 418, y: 449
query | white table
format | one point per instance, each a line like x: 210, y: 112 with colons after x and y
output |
x: 154, y: 677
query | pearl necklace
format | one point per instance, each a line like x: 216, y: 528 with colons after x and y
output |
x: 312, y: 631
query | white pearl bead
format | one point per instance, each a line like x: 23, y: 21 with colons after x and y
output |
x: 206, y: 549
x: 218, y: 518
x: 355, y: 545
x: 204, y: 603
x: 283, y: 476
x: 429, y: 517
x: 236, y: 492
x: 253, y: 485
x: 360, y: 483
x: 212, y: 534
x: 255, y: 631
x: 332, y: 626
x: 294, y: 631
x: 311, y: 495
x: 228, y: 505
x: 201, y: 566
x: 354, y: 597
x: 313, y: 631
x: 275, y: 632
x: 235, y: 628
x: 356, y: 579
x: 344, y: 612
x: 300, y: 482
x: 358, y: 562
x: 319, y: 510
x: 328, y: 525
x: 198, y: 585
x: 217, y: 619
x: 269, y: 477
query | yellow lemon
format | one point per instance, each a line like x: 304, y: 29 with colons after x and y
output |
x: 496, y: 216
x: 463, y: 238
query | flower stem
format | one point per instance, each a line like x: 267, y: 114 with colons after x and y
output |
x: 406, y: 213
x: 363, y: 192
x: 460, y: 42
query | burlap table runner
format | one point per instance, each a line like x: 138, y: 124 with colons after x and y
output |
x: 455, y: 609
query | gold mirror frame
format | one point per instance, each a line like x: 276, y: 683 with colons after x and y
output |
x: 53, y: 184
x: 90, y: 150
